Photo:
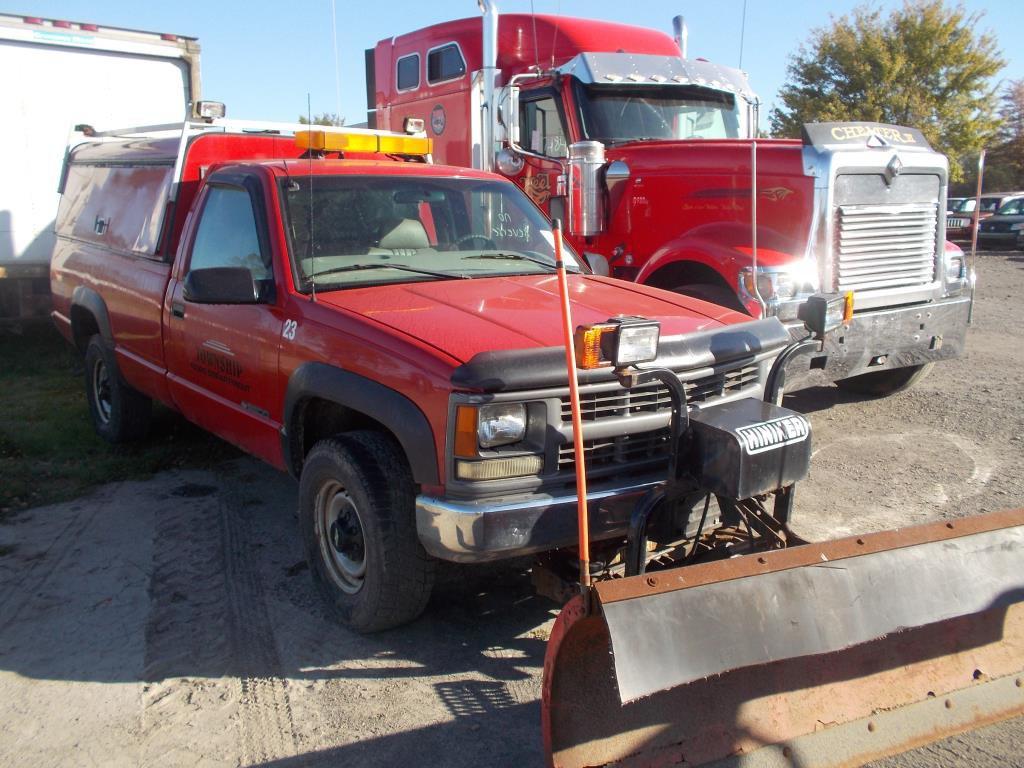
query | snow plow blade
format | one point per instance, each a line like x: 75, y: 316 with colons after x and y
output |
x: 827, y: 654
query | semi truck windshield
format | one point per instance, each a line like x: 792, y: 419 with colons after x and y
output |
x: 614, y: 114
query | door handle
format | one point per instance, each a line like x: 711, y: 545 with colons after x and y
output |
x: 177, y: 309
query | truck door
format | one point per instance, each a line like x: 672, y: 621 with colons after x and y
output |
x: 222, y: 358
x: 542, y: 130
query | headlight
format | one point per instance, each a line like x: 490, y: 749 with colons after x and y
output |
x: 501, y: 424
x: 954, y: 267
x: 779, y: 284
x: 620, y: 342
x: 636, y: 342
x: 1017, y: 227
x: 824, y: 312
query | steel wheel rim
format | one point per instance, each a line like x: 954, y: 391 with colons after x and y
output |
x: 101, y: 394
x: 341, y: 536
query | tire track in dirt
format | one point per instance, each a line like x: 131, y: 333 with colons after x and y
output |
x: 265, y: 717
x: 211, y: 659
x: 187, y: 653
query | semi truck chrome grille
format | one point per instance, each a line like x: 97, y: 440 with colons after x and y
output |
x: 885, y: 246
x: 613, y: 452
x: 616, y: 401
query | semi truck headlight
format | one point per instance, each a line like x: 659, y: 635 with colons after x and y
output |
x: 501, y: 424
x: 779, y: 283
x: 954, y: 267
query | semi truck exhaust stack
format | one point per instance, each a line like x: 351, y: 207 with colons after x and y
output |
x: 489, y: 72
x: 680, y: 33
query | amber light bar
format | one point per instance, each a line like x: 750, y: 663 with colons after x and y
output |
x: 340, y: 141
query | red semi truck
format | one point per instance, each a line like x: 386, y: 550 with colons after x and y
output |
x: 651, y: 160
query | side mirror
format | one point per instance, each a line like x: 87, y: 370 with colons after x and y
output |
x: 598, y: 263
x: 221, y: 285
x: 510, y: 114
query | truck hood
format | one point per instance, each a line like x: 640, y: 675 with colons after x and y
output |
x: 463, y: 317
x: 694, y: 196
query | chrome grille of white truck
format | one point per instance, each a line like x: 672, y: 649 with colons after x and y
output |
x: 885, y: 246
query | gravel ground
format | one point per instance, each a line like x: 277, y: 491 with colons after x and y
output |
x: 172, y: 622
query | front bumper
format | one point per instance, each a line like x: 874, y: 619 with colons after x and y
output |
x: 876, y: 340
x: 477, y: 531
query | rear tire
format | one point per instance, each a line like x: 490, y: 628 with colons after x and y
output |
x: 120, y: 414
x: 714, y: 294
x: 357, y: 517
x: 887, y: 382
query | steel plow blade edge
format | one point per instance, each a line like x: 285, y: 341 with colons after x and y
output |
x: 825, y: 654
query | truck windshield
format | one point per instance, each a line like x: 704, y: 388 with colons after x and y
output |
x: 615, y: 114
x: 347, y: 231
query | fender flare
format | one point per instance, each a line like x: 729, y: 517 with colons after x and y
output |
x: 391, y: 408
x: 88, y: 299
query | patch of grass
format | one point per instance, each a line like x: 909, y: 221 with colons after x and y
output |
x: 48, y: 450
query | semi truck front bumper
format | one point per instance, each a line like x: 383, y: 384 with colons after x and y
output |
x: 478, y: 531
x: 876, y: 340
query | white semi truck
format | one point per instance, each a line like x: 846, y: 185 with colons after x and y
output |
x: 58, y: 74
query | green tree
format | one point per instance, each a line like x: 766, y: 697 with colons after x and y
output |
x: 923, y: 66
x: 327, y: 118
x: 1005, y: 162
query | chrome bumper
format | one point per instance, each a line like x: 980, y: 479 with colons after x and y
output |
x: 889, y: 338
x: 469, y: 532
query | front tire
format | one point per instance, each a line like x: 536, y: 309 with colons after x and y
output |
x: 357, y: 516
x: 887, y: 382
x: 120, y: 414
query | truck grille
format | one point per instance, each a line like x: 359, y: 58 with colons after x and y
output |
x: 633, y: 451
x: 885, y: 246
x: 611, y: 453
x: 617, y: 401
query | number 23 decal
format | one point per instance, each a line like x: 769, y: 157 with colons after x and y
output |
x: 290, y: 326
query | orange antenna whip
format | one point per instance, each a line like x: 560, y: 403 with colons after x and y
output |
x: 577, y: 418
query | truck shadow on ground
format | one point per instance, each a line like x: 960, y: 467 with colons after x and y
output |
x: 202, y: 574
x: 820, y: 398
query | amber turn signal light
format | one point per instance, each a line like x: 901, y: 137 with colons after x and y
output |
x: 466, y: 431
x: 587, y: 342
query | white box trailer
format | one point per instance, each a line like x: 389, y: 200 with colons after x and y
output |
x: 59, y: 74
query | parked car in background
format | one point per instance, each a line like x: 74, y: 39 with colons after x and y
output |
x: 952, y: 203
x: 959, y: 224
x: 1004, y: 229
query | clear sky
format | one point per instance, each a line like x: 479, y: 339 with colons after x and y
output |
x: 262, y: 59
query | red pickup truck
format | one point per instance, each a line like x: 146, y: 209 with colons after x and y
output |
x: 382, y: 328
